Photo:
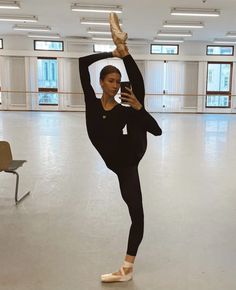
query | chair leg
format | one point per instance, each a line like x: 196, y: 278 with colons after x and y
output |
x: 16, y: 190
x: 17, y: 185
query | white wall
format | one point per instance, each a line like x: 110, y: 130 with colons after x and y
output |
x: 186, y: 74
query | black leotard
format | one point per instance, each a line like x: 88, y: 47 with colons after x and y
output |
x: 105, y: 127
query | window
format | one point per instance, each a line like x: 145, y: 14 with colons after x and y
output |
x: 103, y: 47
x: 164, y: 49
x: 48, y: 81
x: 220, y: 50
x: 219, y: 78
x: 1, y: 44
x: 48, y: 45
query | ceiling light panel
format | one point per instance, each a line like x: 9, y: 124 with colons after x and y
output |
x: 94, y: 31
x: 96, y: 8
x: 9, y: 5
x: 18, y: 18
x: 102, y: 38
x: 90, y: 21
x: 183, y: 24
x: 231, y: 34
x: 224, y: 41
x: 174, y: 33
x: 31, y: 28
x: 165, y: 40
x: 50, y: 36
x: 195, y: 12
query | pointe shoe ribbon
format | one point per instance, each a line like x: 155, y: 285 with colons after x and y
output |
x: 109, y: 278
x: 118, y: 35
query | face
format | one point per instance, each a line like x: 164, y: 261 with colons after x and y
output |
x: 110, y: 84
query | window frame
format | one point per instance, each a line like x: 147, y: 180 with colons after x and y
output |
x: 232, y: 46
x: 154, y: 44
x: 219, y: 93
x: 97, y: 51
x: 36, y: 49
x: 47, y: 90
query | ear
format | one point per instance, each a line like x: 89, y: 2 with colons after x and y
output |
x: 101, y: 83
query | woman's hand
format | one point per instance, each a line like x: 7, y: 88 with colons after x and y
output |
x: 131, y: 99
x: 120, y: 51
x: 116, y: 53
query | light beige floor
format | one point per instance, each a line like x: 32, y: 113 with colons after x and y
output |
x: 74, y: 226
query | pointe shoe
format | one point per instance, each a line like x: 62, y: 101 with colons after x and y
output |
x: 119, y: 37
x: 110, y: 278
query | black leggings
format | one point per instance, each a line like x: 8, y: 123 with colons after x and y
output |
x: 131, y: 193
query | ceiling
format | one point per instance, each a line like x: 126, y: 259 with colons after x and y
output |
x: 141, y: 19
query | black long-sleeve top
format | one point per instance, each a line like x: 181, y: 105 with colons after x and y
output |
x: 105, y: 127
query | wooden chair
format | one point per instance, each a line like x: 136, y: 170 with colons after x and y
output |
x: 8, y: 165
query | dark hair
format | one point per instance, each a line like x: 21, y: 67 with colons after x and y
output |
x: 108, y: 69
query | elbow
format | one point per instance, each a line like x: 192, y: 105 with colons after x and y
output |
x: 158, y: 132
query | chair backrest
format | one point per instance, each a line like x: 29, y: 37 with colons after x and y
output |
x: 5, y: 155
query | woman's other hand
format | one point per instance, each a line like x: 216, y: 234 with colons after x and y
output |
x: 130, y: 99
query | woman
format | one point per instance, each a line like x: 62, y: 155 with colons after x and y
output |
x: 105, y: 119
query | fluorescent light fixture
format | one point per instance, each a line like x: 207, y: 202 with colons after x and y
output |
x: 19, y: 18
x: 164, y: 40
x: 195, y: 12
x: 88, y: 21
x: 224, y: 41
x: 231, y: 34
x: 183, y: 24
x: 102, y: 38
x: 174, y: 33
x: 31, y: 28
x: 51, y: 36
x: 9, y: 5
x: 93, y: 31
x: 96, y: 8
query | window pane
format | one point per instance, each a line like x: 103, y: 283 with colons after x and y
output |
x: 1, y: 43
x: 217, y: 101
x: 48, y: 99
x: 47, y: 73
x: 164, y: 49
x: 103, y: 47
x: 218, y: 79
x: 220, y: 50
x: 48, y: 45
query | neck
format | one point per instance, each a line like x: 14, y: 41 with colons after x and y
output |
x: 107, y: 99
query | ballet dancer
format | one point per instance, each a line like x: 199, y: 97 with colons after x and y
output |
x: 105, y: 119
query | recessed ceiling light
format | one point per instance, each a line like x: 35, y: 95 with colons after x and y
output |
x: 95, y: 21
x: 9, y: 5
x: 183, y: 24
x: 102, y: 38
x: 52, y: 36
x: 93, y: 31
x: 31, y: 28
x: 195, y: 12
x: 95, y: 8
x: 20, y: 18
x: 224, y: 41
x: 164, y: 40
x: 174, y: 33
x: 231, y: 34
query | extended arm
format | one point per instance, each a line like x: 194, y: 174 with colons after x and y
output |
x: 84, y: 63
x: 135, y: 77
